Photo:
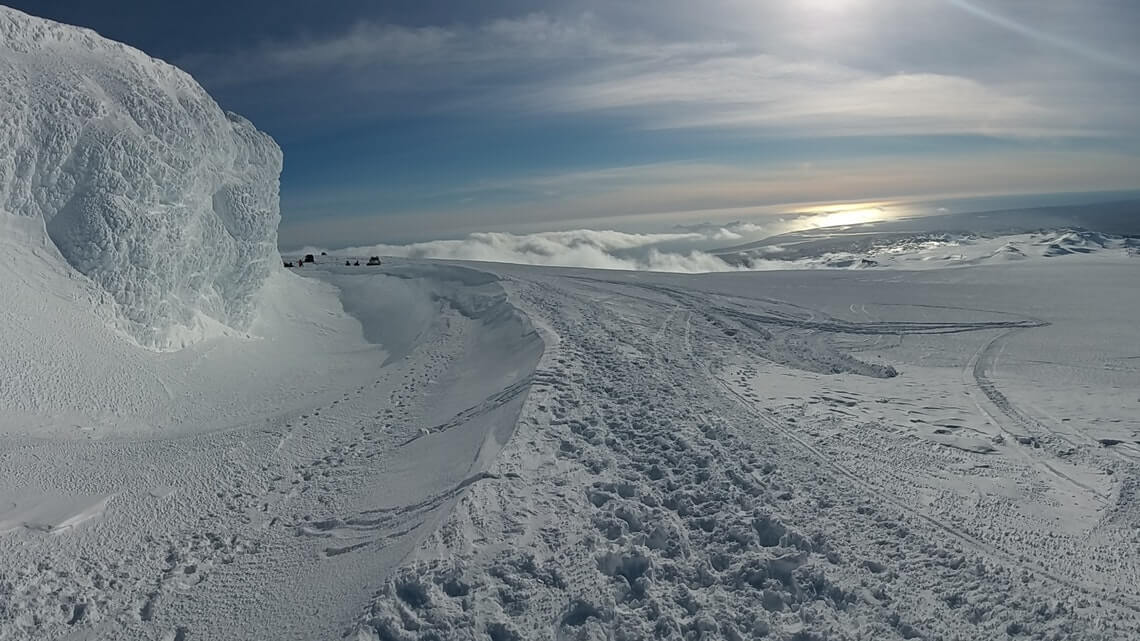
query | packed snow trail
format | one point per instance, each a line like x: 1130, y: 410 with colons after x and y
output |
x: 653, y: 490
x: 745, y: 456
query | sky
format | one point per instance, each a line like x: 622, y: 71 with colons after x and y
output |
x: 413, y: 120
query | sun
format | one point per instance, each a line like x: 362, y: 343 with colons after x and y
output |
x: 828, y: 5
x: 844, y: 214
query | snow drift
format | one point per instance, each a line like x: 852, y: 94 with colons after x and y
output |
x: 140, y: 179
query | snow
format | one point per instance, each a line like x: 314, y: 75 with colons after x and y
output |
x: 52, y: 514
x: 144, y: 490
x: 941, y: 443
x: 829, y: 249
x: 425, y: 450
x: 141, y: 181
x: 685, y: 468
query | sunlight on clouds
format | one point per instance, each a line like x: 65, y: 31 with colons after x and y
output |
x: 808, y: 68
x: 829, y: 6
x: 846, y: 214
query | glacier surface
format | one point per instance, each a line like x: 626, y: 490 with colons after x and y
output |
x: 145, y: 185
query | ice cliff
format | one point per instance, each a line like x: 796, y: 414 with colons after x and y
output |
x: 142, y: 182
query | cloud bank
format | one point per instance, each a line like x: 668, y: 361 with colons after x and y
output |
x: 595, y: 249
x: 686, y: 249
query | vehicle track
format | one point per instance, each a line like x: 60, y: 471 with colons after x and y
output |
x: 978, y: 369
x: 978, y: 545
x: 798, y: 319
x: 801, y: 318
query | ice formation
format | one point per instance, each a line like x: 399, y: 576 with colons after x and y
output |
x: 143, y: 183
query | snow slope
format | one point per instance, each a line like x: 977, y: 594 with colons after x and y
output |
x: 824, y: 454
x: 289, y: 440
x: 1110, y: 230
x: 67, y: 373
x: 141, y: 181
x: 856, y: 249
x: 727, y: 457
x: 238, y: 488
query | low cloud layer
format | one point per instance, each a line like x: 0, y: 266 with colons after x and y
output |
x: 686, y: 248
x: 597, y: 249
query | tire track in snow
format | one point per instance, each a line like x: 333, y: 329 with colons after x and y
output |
x: 977, y: 544
x: 980, y: 546
x: 977, y: 371
x: 980, y: 366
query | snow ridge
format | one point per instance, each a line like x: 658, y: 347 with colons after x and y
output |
x: 141, y: 180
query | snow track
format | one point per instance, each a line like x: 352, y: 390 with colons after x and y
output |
x: 567, y: 455
x: 979, y: 365
x: 648, y: 495
x: 994, y: 553
x: 1028, y: 429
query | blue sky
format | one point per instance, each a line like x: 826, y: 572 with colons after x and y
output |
x: 406, y: 121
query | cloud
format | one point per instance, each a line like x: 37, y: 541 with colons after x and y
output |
x: 1026, y: 30
x: 783, y: 98
x: 391, y: 55
x: 760, y: 104
x: 759, y: 67
x: 596, y: 249
x: 737, y: 230
x: 657, y: 196
x: 684, y: 250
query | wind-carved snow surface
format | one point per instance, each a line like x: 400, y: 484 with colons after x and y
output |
x: 141, y: 180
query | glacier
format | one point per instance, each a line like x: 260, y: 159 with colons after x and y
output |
x: 144, y: 184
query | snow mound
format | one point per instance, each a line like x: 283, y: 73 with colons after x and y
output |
x: 1009, y: 251
x: 1070, y: 241
x: 142, y: 182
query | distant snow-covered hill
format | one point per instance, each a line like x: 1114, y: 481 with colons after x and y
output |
x: 949, y: 240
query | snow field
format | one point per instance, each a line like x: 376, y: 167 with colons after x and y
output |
x: 660, y: 485
x: 282, y: 520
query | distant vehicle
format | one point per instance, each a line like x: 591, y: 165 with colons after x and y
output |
x: 309, y: 259
x: 324, y: 254
x: 375, y: 260
x: 288, y: 263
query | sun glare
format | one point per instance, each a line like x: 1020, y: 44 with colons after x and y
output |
x: 828, y: 5
x: 845, y: 214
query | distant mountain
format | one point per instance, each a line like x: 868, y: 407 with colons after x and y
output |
x: 1044, y: 232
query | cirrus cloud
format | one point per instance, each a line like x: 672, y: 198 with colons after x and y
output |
x: 778, y: 75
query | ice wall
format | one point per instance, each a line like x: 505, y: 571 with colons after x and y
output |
x: 143, y: 183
